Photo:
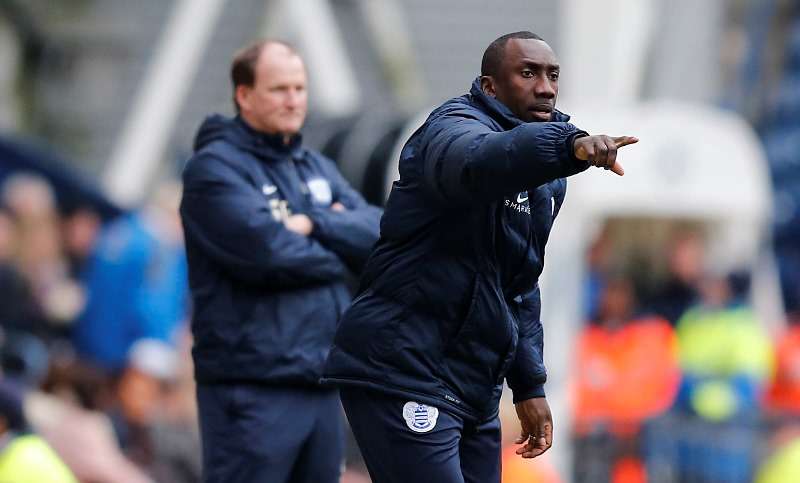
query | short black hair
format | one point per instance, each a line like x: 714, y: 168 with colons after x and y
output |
x: 493, y: 56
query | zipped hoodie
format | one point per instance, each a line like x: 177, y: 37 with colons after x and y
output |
x: 449, y: 301
x: 266, y: 299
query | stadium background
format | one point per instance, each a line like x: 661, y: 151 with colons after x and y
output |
x: 672, y: 315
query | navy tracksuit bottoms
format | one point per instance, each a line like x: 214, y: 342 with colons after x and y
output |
x: 267, y: 434
x: 403, y: 441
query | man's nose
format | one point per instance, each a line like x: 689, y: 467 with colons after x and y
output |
x: 293, y: 99
x: 544, y: 88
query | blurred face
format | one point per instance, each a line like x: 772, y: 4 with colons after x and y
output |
x: 80, y: 231
x: 527, y: 80
x: 276, y: 103
x: 617, y: 302
x: 138, y: 395
x: 30, y: 199
x: 686, y: 259
x: 715, y: 291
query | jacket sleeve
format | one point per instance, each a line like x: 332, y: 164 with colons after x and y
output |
x: 527, y: 375
x: 228, y: 219
x: 464, y: 160
x: 352, y: 233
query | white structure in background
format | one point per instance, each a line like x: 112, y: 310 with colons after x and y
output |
x: 390, y: 33
x: 145, y: 134
x: 604, y: 50
x: 9, y: 68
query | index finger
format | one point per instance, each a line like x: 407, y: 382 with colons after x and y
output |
x: 625, y: 140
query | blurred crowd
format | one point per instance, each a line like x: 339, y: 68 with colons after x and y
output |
x: 96, y: 380
x: 676, y: 378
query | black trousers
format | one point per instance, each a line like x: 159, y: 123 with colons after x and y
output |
x: 406, y: 442
x: 257, y: 433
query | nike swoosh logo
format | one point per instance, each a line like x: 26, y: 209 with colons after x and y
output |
x: 520, y: 199
x: 269, y: 189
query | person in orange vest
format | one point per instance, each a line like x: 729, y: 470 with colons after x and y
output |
x: 626, y: 372
x: 627, y: 367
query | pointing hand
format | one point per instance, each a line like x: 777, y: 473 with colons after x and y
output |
x: 601, y: 150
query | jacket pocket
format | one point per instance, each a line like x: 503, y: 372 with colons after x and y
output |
x: 480, y: 352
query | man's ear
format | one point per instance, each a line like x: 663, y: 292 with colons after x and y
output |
x: 487, y: 86
x: 243, y: 96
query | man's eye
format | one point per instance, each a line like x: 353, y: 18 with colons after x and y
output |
x: 554, y: 76
x: 527, y: 73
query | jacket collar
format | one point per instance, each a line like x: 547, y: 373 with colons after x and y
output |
x: 272, y: 143
x: 502, y: 114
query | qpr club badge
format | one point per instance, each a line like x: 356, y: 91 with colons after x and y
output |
x: 420, y: 418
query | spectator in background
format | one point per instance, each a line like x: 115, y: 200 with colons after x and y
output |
x: 24, y: 456
x: 726, y: 357
x: 136, y: 283
x: 271, y: 230
x: 725, y: 353
x: 79, y: 231
x: 83, y: 439
x: 627, y: 372
x: 167, y: 451
x: 19, y: 310
x: 39, y: 255
x: 598, y: 265
x: 685, y: 260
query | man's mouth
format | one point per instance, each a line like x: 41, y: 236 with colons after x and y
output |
x: 541, y: 111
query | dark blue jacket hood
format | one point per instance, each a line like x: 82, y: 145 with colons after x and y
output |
x: 236, y: 131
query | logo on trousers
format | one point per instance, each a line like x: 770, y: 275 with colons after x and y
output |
x: 420, y: 418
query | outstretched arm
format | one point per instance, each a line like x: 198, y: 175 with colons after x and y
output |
x: 466, y: 161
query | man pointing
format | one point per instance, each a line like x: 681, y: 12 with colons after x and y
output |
x: 449, y: 304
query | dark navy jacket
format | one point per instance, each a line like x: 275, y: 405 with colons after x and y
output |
x: 267, y: 300
x: 449, y: 302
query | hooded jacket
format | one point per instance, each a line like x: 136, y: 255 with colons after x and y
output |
x: 449, y: 302
x: 266, y: 299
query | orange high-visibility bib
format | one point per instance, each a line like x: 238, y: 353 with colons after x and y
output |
x: 627, y: 375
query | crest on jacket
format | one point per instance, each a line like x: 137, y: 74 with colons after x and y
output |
x: 320, y: 191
